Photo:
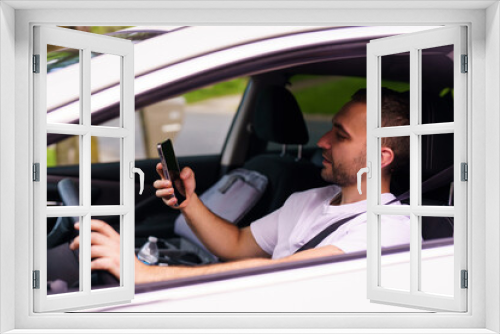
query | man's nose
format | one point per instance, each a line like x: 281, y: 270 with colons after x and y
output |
x: 324, y: 141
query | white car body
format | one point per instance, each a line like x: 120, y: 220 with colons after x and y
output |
x: 335, y: 287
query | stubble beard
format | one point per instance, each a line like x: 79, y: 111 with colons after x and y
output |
x: 343, y: 175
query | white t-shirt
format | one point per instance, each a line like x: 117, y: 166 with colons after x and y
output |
x: 305, y: 214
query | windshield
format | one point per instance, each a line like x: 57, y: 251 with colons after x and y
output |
x: 64, y: 57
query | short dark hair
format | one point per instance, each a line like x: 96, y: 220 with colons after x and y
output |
x: 395, y: 112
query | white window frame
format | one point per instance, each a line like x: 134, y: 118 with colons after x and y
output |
x: 413, y: 44
x: 124, y: 132
x: 483, y: 103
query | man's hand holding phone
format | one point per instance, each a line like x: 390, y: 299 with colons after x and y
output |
x: 172, y: 192
x: 165, y: 189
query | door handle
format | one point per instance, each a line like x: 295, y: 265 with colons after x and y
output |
x: 141, y: 176
x: 366, y: 170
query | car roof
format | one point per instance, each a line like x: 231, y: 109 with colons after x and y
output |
x: 156, y: 54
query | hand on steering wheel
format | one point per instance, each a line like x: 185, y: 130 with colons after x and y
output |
x: 105, y: 247
x: 64, y: 232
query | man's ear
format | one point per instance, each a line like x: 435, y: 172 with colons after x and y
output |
x: 387, y: 156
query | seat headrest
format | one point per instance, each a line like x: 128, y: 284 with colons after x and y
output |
x: 278, y: 118
x: 437, y: 150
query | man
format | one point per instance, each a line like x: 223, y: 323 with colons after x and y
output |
x: 277, y: 237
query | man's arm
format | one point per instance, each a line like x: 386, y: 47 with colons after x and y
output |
x: 146, y: 274
x: 105, y: 254
x: 222, y: 238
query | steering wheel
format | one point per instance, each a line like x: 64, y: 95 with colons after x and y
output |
x: 64, y: 232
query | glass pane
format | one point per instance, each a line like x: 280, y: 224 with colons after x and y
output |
x: 106, y: 250
x: 203, y: 116
x: 140, y: 139
x: 320, y: 97
x: 165, y: 119
x: 63, y: 158
x: 396, y: 174
x: 106, y: 184
x: 395, y: 259
x: 437, y: 267
x: 437, y: 165
x: 63, y: 264
x: 105, y: 85
x: 395, y: 101
x: 63, y: 87
x: 209, y: 128
x: 437, y: 89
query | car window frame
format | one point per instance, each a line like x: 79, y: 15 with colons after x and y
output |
x: 284, y: 58
x: 177, y: 87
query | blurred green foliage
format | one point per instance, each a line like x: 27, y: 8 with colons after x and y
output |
x: 51, y: 156
x: 326, y: 95
x: 447, y: 91
x: 323, y: 95
x: 232, y: 87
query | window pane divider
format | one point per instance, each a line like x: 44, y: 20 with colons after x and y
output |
x: 79, y: 211
x: 392, y: 210
x: 433, y: 211
x: 85, y: 186
x: 415, y: 167
x: 67, y: 129
x: 422, y: 129
x: 418, y: 210
x: 434, y: 129
x: 66, y: 211
x: 109, y: 210
x: 80, y: 130
x: 110, y: 132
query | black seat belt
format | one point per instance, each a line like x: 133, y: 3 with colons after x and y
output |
x: 326, y: 232
x: 429, y: 184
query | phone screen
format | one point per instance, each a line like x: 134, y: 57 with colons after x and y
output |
x: 171, y: 169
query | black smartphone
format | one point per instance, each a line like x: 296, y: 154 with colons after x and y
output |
x: 171, y: 170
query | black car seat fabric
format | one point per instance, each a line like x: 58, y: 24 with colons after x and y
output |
x: 277, y: 118
x: 437, y: 158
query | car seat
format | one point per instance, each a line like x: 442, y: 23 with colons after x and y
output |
x: 437, y: 158
x: 277, y: 118
x: 437, y: 163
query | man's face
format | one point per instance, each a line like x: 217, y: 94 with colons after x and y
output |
x: 344, y: 146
